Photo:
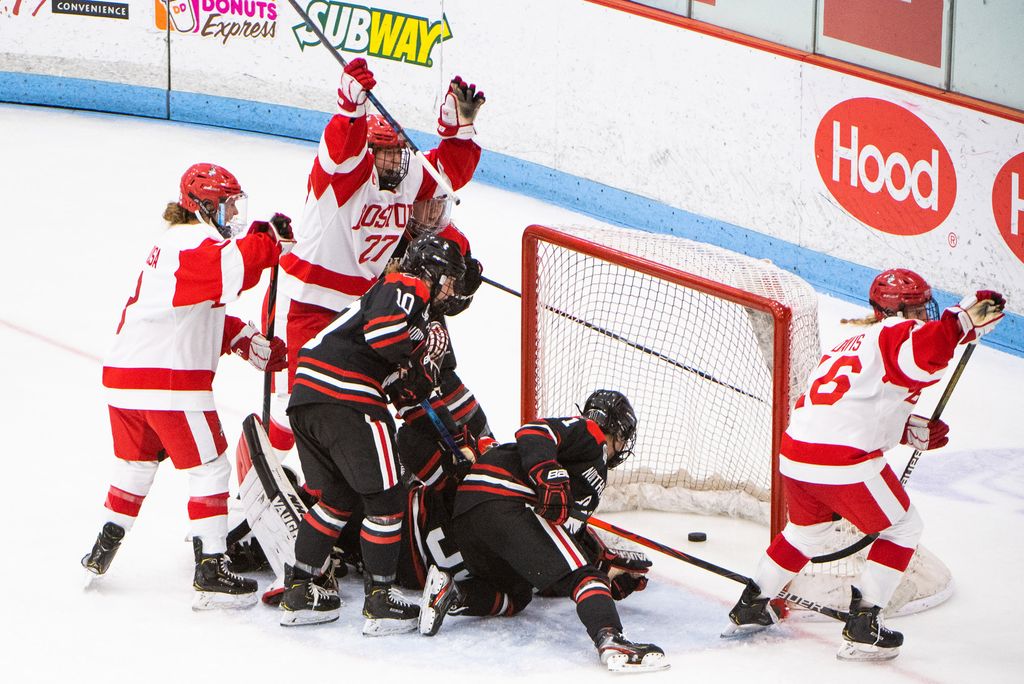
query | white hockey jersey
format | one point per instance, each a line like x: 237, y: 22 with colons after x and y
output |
x: 349, y: 226
x: 860, y: 396
x: 172, y: 329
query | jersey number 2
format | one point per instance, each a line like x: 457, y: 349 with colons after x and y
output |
x: 382, y: 241
x: 839, y: 381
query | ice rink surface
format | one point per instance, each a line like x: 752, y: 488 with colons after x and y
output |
x: 82, y: 195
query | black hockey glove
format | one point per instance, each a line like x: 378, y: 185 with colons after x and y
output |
x: 624, y: 585
x: 614, y: 561
x: 551, y: 482
x: 471, y: 279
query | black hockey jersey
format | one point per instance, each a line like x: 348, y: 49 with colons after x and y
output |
x: 349, y: 361
x: 576, y: 443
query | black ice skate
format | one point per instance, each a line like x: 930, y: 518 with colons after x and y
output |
x: 864, y: 636
x: 387, y: 611
x: 622, y: 655
x: 107, y: 543
x: 751, y: 614
x: 309, y: 600
x: 440, y: 595
x: 216, y: 586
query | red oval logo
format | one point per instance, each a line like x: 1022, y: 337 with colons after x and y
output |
x: 885, y: 166
x: 1008, y: 204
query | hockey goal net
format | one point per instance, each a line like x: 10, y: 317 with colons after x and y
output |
x: 710, y: 346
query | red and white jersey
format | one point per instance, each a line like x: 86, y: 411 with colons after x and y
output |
x: 349, y: 226
x: 860, y: 397
x: 172, y: 329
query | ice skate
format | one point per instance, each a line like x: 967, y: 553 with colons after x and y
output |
x: 387, y: 611
x: 440, y: 594
x: 864, y: 636
x: 216, y: 586
x: 751, y: 614
x: 308, y: 600
x: 621, y: 655
x: 97, y: 561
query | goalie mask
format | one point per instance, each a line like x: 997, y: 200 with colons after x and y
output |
x: 215, y: 196
x: 614, y: 415
x: 437, y: 260
x: 390, y: 154
x: 899, y: 292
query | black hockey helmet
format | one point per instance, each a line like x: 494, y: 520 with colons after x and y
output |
x: 614, y: 415
x: 435, y: 258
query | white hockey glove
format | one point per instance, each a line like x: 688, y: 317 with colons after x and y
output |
x: 356, y: 82
x: 924, y: 434
x: 979, y: 313
x: 263, y: 354
x: 459, y: 109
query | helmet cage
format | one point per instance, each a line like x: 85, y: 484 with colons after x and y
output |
x: 896, y: 290
x: 429, y: 215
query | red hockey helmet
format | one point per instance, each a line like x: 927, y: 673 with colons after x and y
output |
x: 390, y: 153
x: 894, y: 291
x: 216, y: 194
x: 380, y: 134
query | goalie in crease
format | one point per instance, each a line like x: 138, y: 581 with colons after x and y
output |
x: 858, y: 405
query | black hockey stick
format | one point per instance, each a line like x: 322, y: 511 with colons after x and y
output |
x: 630, y: 343
x: 428, y: 167
x: 271, y: 315
x: 442, y: 430
x: 711, y: 567
x: 911, y: 464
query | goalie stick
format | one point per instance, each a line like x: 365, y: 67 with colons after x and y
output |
x: 271, y: 315
x: 427, y: 166
x: 911, y: 464
x: 272, y: 507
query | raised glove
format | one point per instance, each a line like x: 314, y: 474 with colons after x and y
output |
x: 279, y: 228
x: 356, y: 82
x: 979, y: 313
x: 551, y: 482
x: 263, y: 354
x: 924, y: 434
x: 471, y: 279
x: 461, y: 104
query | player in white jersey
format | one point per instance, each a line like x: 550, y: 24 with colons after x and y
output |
x: 858, y: 405
x: 159, y: 372
x: 359, y: 198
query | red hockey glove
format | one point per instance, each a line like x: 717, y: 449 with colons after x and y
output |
x: 356, y: 82
x: 979, y: 313
x: 551, y: 482
x: 279, y: 228
x: 924, y: 434
x: 263, y: 354
x: 459, y: 109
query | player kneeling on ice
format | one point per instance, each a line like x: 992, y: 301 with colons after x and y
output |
x: 857, y: 406
x: 346, y: 436
x: 159, y: 372
x: 513, y: 527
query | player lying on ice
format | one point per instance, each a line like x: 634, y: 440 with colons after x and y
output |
x: 519, y: 522
x: 159, y: 371
x: 857, y: 406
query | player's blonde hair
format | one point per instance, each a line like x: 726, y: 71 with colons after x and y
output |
x: 175, y: 214
x: 870, y: 319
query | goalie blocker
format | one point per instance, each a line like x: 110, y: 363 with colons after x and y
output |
x: 272, y: 507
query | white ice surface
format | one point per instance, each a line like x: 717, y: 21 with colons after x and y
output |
x: 82, y: 196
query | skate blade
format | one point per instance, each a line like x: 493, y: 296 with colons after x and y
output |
x: 652, y: 662
x: 213, y: 600
x: 384, y: 627
x: 865, y: 652
x: 429, y: 621
x: 300, y: 618
x: 732, y: 631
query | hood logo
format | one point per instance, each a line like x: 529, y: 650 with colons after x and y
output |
x: 1008, y: 204
x: 376, y: 32
x: 885, y: 166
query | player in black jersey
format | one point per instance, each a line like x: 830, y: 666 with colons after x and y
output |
x: 520, y: 523
x: 383, y: 346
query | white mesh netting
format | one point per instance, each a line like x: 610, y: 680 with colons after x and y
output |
x: 699, y: 372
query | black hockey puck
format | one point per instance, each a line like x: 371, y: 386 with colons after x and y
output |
x: 697, y: 536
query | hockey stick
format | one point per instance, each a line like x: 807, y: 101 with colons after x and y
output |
x: 911, y: 464
x: 705, y: 565
x: 629, y: 343
x: 427, y: 166
x: 271, y: 315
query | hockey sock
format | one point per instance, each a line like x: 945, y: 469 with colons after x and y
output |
x: 483, y: 600
x: 129, y: 485
x: 208, y: 503
x: 318, y: 532
x: 379, y: 540
x: 883, y: 571
x: 594, y: 605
